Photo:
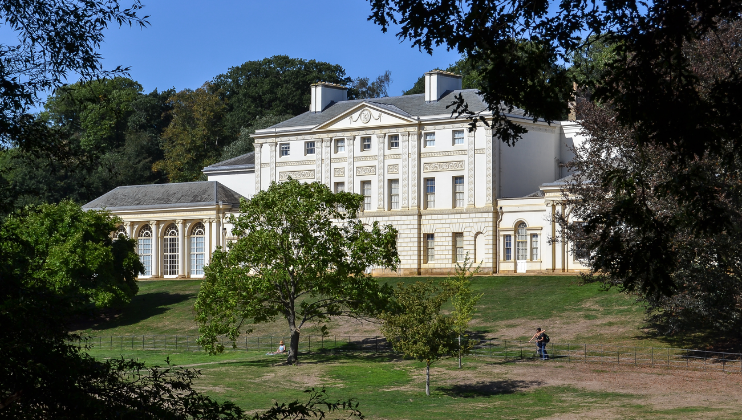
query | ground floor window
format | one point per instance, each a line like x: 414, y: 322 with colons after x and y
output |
x: 429, y: 247
x: 508, y: 248
x: 198, y: 253
x: 458, y: 247
x: 534, y: 246
x: 171, y: 251
x: 144, y: 248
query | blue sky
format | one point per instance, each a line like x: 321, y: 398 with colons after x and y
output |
x: 189, y: 42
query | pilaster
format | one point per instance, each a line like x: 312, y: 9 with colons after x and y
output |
x: 258, y: 169
x: 155, y: 248
x: 327, y: 161
x: 181, y: 247
x: 414, y: 170
x: 273, y: 161
x: 403, y: 173
x: 380, y: 140
x: 318, y: 160
x: 350, y: 148
x: 488, y: 162
x: 470, y: 177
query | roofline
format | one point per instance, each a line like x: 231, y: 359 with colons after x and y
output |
x: 204, y: 204
x: 229, y: 168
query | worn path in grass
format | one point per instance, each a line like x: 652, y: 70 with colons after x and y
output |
x: 512, y: 306
x: 391, y: 388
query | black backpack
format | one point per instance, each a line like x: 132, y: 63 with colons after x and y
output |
x: 545, y: 337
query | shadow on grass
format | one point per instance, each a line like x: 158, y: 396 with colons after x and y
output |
x: 142, y: 307
x: 328, y: 357
x: 486, y: 389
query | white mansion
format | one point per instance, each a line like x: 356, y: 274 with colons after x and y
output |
x: 448, y: 191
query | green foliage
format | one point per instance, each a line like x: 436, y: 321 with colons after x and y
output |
x: 465, y: 68
x: 416, y: 328
x: 297, y: 256
x: 363, y: 87
x: 245, y: 143
x: 464, y: 301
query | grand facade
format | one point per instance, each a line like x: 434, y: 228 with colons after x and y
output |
x: 448, y: 191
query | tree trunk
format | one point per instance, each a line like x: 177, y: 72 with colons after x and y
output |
x: 427, y: 379
x: 293, y: 347
x: 459, y: 351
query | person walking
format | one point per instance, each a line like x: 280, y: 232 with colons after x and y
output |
x: 541, y: 340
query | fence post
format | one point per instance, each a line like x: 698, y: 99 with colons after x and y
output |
x: 634, y: 356
x: 376, y: 344
x: 668, y: 357
x: 505, y: 356
x: 586, y: 352
x: 310, y: 342
x: 569, y: 355
x: 322, y: 342
x: 618, y: 357
x: 652, y: 356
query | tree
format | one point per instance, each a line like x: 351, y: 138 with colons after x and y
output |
x: 523, y: 50
x: 464, y: 301
x: 301, y: 253
x: 364, y: 88
x: 463, y: 67
x: 416, y: 327
x: 245, y: 143
x: 195, y: 135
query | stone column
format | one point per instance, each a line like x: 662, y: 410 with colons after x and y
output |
x: 318, y: 160
x: 327, y: 162
x: 380, y: 140
x: 273, y: 161
x: 127, y: 229
x: 258, y: 170
x: 471, y: 174
x: 414, y: 171
x: 181, y: 247
x: 208, y: 249
x: 350, y: 148
x: 155, y: 249
x: 403, y: 172
x: 489, y: 165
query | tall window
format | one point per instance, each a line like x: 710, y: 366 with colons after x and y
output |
x: 458, y: 247
x: 339, y: 187
x: 121, y: 230
x: 285, y: 149
x: 458, y: 191
x: 429, y: 139
x: 394, y: 194
x: 340, y: 146
x: 309, y: 148
x: 198, y: 251
x: 365, y: 143
x: 430, y: 193
x: 581, y: 252
x: 366, y: 191
x: 534, y: 246
x: 144, y: 248
x: 171, y: 251
x: 394, y: 141
x: 521, y: 243
x: 429, y: 247
x: 458, y: 137
x: 508, y: 251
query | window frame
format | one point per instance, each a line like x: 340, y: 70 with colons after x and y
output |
x: 459, y: 253
x: 392, y: 195
x: 507, y: 251
x: 306, y: 147
x: 429, y: 182
x: 453, y: 137
x: 392, y: 139
x: 429, y: 245
x: 521, y: 245
x: 535, y: 251
x: 170, y: 259
x: 364, y: 144
x: 281, y: 149
x: 457, y: 194
x: 145, y: 234
x: 338, y: 145
x: 366, y: 198
x: 197, y: 255
x: 427, y: 140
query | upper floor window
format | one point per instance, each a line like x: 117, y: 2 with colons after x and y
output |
x: 430, y: 193
x: 365, y: 143
x: 285, y: 149
x: 339, y: 187
x: 394, y: 141
x: 340, y: 146
x: 458, y: 137
x: 366, y: 191
x: 309, y: 148
x: 394, y: 194
x: 429, y: 139
x: 458, y: 191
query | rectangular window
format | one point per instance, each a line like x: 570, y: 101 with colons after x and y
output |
x: 430, y: 193
x: 394, y: 141
x: 394, y: 194
x: 309, y: 148
x: 521, y: 243
x: 145, y: 254
x: 365, y: 143
x: 429, y: 247
x: 458, y: 247
x: 340, y: 146
x: 458, y: 137
x: 197, y: 255
x: 508, y: 254
x: 581, y: 252
x: 366, y: 191
x: 339, y: 187
x: 458, y: 191
x: 429, y: 139
x: 285, y: 149
x: 534, y: 246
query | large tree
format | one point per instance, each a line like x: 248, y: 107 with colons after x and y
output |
x: 523, y: 50
x: 301, y: 253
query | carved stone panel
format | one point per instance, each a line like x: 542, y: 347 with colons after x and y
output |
x: 457, y: 165
x: 392, y: 169
x: 394, y: 156
x: 283, y: 176
x: 338, y: 160
x: 365, y: 170
x: 364, y: 158
x: 338, y: 172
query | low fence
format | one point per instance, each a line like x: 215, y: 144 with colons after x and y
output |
x: 506, y: 350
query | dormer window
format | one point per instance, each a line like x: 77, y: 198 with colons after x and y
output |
x: 365, y: 143
x: 340, y: 146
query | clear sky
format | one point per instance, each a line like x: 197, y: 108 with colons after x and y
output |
x: 189, y: 42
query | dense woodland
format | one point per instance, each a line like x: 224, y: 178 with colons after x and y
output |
x: 116, y: 134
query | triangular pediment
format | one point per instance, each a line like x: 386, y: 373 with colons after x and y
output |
x: 367, y: 114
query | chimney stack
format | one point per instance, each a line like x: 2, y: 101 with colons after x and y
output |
x: 438, y: 82
x: 325, y: 93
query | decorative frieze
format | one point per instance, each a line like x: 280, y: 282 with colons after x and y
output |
x: 338, y: 172
x: 439, y: 154
x: 338, y: 160
x: 265, y: 165
x: 396, y: 156
x: 283, y: 176
x: 365, y: 170
x: 392, y: 169
x: 479, y: 151
x: 364, y: 158
x: 296, y: 163
x: 457, y: 165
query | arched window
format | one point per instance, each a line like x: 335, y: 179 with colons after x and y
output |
x: 171, y: 251
x: 521, y: 243
x: 144, y: 248
x: 197, y: 249
x: 121, y: 230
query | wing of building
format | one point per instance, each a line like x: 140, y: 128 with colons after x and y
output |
x: 448, y: 191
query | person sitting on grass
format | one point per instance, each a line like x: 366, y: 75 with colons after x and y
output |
x: 281, y: 349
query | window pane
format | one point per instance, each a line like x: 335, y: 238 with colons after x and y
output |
x: 429, y: 139
x: 394, y: 141
x: 310, y: 147
x: 285, y: 149
x: 366, y: 188
x: 458, y: 137
x: 366, y: 143
x: 430, y: 246
x: 394, y: 194
x: 458, y: 187
x: 430, y: 193
x: 459, y: 246
x: 339, y: 187
x: 339, y: 145
x: 534, y: 247
x: 508, y: 248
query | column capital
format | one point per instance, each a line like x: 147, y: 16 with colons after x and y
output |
x: 153, y: 222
